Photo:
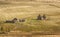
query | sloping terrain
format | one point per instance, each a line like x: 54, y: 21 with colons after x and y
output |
x: 30, y: 10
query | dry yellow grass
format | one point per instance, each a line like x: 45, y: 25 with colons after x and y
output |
x: 30, y: 10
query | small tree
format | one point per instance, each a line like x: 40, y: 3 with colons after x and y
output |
x: 39, y: 17
x: 44, y: 17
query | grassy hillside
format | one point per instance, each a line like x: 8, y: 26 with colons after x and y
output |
x: 30, y: 11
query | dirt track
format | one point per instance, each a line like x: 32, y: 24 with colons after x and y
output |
x: 30, y: 36
x: 20, y: 34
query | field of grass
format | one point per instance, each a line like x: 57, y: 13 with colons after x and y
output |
x: 30, y: 11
